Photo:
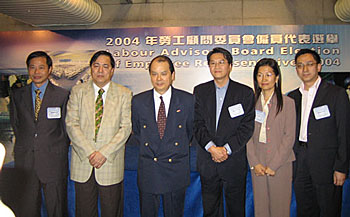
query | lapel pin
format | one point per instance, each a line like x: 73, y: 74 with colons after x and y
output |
x: 179, y: 110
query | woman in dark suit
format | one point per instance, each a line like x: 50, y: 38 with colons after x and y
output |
x: 270, y: 150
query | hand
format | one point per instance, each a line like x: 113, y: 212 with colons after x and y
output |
x: 97, y: 159
x: 339, y: 178
x: 270, y: 172
x: 259, y: 170
x: 218, y: 154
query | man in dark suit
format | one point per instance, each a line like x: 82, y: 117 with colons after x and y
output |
x: 223, y: 124
x: 37, y: 113
x: 322, y: 144
x: 162, y: 124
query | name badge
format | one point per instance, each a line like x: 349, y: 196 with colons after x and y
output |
x: 321, y: 112
x: 259, y: 116
x: 236, y: 110
x: 53, y: 112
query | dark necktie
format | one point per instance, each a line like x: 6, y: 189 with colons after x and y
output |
x: 98, y: 111
x: 37, y: 103
x: 161, y: 121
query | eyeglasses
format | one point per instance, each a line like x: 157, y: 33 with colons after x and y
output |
x: 220, y: 62
x: 308, y: 64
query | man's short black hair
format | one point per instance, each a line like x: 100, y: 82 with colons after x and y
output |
x: 39, y: 54
x: 105, y: 53
x: 306, y: 51
x: 162, y: 58
x: 226, y: 53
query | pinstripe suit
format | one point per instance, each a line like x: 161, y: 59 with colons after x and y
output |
x: 110, y: 142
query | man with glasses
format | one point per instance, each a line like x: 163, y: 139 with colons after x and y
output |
x: 223, y: 124
x: 322, y: 143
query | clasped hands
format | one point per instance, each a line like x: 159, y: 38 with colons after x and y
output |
x: 218, y: 154
x: 97, y: 159
x: 260, y: 170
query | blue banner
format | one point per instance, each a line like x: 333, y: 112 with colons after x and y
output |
x: 133, y: 49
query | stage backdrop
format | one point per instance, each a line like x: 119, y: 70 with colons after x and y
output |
x: 133, y: 48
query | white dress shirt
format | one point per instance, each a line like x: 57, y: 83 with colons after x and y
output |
x: 166, y: 98
x: 105, y: 88
x: 307, y: 100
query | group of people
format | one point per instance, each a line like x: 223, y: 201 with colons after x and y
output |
x: 301, y: 138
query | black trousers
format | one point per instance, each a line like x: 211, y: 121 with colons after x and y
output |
x: 87, y: 194
x: 173, y: 203
x: 314, y: 200
x: 30, y: 199
x: 213, y: 190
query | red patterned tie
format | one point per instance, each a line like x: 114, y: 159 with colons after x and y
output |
x: 161, y: 121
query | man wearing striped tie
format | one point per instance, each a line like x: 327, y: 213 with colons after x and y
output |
x: 37, y: 113
x: 98, y: 124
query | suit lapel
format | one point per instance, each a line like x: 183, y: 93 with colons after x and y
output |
x: 319, y: 94
x: 28, y: 99
x: 109, y: 107
x: 228, y: 101
x: 174, y: 105
x: 297, y: 101
x: 211, y: 99
x: 149, y: 108
x: 149, y: 105
x: 49, y: 97
x: 88, y: 102
x: 258, y: 107
x: 272, y: 110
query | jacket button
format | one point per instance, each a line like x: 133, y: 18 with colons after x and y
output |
x: 180, y: 126
x: 155, y: 159
x: 144, y: 126
x: 146, y: 144
x: 35, y: 135
x: 170, y: 160
x: 176, y: 143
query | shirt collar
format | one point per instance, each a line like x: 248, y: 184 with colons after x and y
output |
x: 42, y: 88
x: 222, y: 88
x: 105, y: 88
x: 167, y: 94
x: 313, y: 87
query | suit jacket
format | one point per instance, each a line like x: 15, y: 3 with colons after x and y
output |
x: 328, y: 142
x: 114, y: 131
x: 164, y: 164
x: 40, y: 145
x: 236, y: 131
x: 280, y: 136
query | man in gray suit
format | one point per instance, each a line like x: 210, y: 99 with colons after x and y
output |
x: 37, y: 113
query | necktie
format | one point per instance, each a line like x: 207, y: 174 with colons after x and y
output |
x: 161, y: 121
x: 98, y: 111
x: 37, y: 103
